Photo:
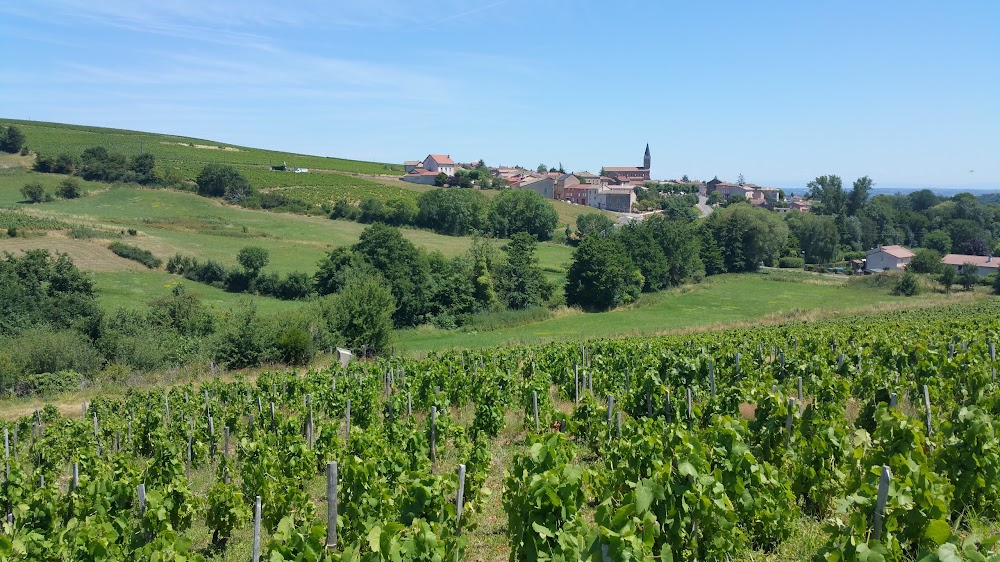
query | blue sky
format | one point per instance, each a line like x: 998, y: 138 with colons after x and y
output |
x: 906, y: 92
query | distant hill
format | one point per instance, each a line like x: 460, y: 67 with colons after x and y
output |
x: 990, y: 198
x: 328, y: 179
x: 186, y: 152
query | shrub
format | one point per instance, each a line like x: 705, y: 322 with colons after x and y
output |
x: 968, y: 275
x: 145, y: 257
x: 791, y: 263
x: 48, y: 384
x: 69, y: 188
x: 908, y: 285
x: 48, y: 351
x: 295, y: 347
x: 33, y: 192
x: 948, y: 277
x: 84, y: 232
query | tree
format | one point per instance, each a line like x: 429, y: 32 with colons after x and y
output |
x: 598, y: 223
x: 817, y: 235
x: 740, y: 180
x: 455, y: 212
x: 646, y: 253
x: 69, y: 188
x: 440, y: 179
x: 602, y: 275
x: 828, y: 191
x: 402, y: 266
x: 33, y: 192
x: 334, y: 269
x: 925, y: 260
x: 223, y: 180
x: 542, y: 168
x: 361, y: 314
x: 948, y: 277
x: 97, y: 164
x: 996, y: 283
x: 520, y: 279
x: 522, y: 210
x: 968, y: 275
x: 923, y: 200
x: 253, y: 259
x: 685, y: 178
x: 747, y: 237
x: 714, y: 198
x: 11, y: 140
x: 858, y: 196
x: 143, y: 165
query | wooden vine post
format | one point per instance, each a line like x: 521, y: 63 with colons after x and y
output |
x: 883, y: 497
x: 331, y: 504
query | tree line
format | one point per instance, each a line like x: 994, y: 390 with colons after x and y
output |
x: 613, y: 265
x: 460, y: 212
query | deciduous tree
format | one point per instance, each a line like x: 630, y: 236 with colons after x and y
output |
x: 602, y: 276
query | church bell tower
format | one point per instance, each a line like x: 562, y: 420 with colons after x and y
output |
x: 645, y: 159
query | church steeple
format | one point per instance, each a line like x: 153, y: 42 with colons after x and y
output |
x: 645, y: 159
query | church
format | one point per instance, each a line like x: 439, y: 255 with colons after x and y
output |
x: 626, y: 174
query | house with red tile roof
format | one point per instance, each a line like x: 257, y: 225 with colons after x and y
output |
x: 426, y: 171
x: 984, y: 264
x: 887, y: 258
x: 440, y: 163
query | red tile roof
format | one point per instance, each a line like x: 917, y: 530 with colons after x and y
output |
x: 894, y: 251
x: 980, y: 261
x: 622, y: 168
x: 442, y: 159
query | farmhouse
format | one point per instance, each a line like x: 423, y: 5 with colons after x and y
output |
x: 424, y: 172
x: 886, y: 258
x: 984, y: 264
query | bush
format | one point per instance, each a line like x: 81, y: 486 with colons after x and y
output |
x: 145, y: 257
x: 908, y: 285
x: 294, y: 346
x: 33, y: 192
x: 361, y: 313
x: 242, y: 341
x: 49, y: 351
x: 968, y: 275
x: 791, y: 263
x: 48, y: 384
x: 223, y: 180
x: 70, y: 188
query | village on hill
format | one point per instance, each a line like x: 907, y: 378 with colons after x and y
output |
x: 615, y: 188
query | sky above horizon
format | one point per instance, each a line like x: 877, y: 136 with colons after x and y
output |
x: 781, y: 92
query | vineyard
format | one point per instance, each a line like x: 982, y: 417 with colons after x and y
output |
x: 880, y: 432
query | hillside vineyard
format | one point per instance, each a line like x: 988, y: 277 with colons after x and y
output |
x: 710, y: 446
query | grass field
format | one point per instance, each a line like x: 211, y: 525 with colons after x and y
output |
x: 170, y: 222
x: 721, y: 300
x: 184, y: 152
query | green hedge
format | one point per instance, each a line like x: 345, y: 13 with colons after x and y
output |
x: 791, y: 263
x: 145, y: 257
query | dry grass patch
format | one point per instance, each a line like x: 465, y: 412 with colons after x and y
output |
x: 89, y: 254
